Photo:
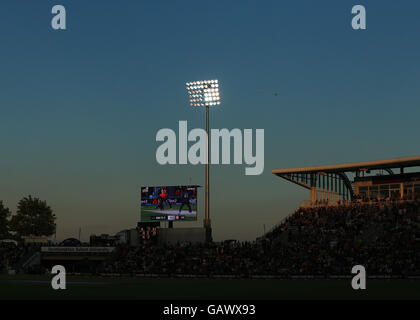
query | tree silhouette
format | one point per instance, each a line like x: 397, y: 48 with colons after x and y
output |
x: 4, y: 221
x: 33, y: 217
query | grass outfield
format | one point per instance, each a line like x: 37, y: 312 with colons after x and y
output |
x: 39, y: 287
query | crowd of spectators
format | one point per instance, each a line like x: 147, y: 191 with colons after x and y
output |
x: 10, y: 255
x: 321, y: 240
x: 328, y: 240
x: 384, y: 237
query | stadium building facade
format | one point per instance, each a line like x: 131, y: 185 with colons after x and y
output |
x: 371, y: 180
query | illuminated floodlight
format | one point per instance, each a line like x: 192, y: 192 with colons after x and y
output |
x: 203, y: 93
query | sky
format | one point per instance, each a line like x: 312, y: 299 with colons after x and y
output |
x: 80, y: 108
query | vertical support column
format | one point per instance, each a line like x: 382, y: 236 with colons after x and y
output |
x: 335, y: 189
x: 320, y: 187
x: 313, y: 188
x: 328, y: 189
x: 318, y: 181
x: 207, y: 222
x: 339, y: 190
x: 313, y: 195
x: 402, y: 191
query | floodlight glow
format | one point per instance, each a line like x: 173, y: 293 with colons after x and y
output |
x: 203, y: 93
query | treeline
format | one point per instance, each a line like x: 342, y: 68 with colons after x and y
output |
x: 33, y: 217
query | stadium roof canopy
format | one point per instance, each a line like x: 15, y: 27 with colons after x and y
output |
x: 356, y: 166
x: 334, y: 179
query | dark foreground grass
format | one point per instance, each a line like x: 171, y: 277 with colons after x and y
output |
x: 39, y: 287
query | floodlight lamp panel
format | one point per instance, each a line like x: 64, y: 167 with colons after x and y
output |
x: 203, y: 93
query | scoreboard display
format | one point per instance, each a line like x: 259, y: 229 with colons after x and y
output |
x: 169, y: 203
x: 148, y: 230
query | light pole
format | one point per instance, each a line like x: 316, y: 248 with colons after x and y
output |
x: 205, y: 94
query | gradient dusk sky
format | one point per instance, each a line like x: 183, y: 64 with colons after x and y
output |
x: 80, y: 108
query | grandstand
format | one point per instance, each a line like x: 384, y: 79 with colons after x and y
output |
x: 373, y: 180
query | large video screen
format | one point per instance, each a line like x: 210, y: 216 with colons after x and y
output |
x: 169, y: 203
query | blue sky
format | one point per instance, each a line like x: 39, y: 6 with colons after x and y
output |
x: 80, y: 108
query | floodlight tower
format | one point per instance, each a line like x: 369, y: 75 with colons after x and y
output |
x: 205, y: 94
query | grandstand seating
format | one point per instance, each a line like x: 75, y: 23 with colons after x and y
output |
x: 313, y: 241
x: 316, y: 241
